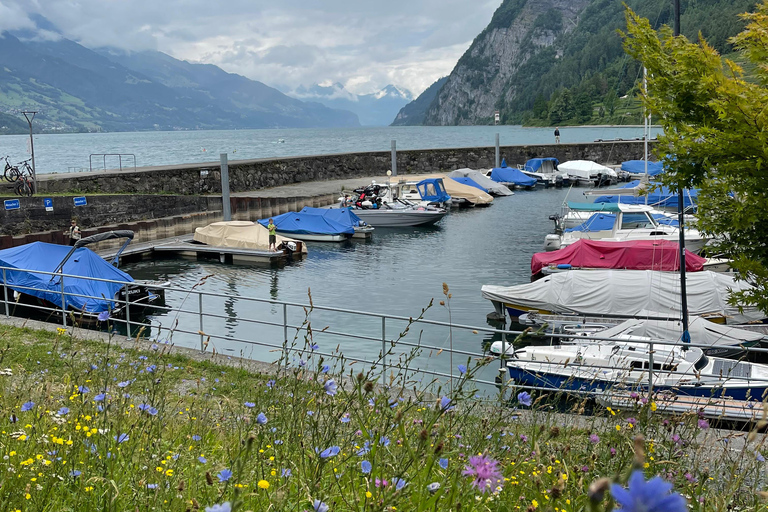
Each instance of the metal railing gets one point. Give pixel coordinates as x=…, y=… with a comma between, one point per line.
x=105, y=155
x=195, y=316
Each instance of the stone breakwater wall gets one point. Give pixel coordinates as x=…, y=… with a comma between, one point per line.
x=149, y=217
x=248, y=175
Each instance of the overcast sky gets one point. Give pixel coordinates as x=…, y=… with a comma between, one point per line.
x=364, y=44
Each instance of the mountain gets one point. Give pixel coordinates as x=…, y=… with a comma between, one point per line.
x=375, y=109
x=413, y=113
x=78, y=89
x=554, y=62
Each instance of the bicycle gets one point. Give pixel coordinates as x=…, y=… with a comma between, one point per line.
x=11, y=173
x=24, y=186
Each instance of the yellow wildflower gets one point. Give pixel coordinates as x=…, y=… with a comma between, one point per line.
x=263, y=484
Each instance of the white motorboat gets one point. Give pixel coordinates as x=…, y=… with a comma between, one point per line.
x=545, y=171
x=630, y=363
x=399, y=214
x=714, y=339
x=588, y=173
x=624, y=294
x=622, y=222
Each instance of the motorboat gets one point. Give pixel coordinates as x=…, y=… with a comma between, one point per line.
x=399, y=214
x=573, y=214
x=310, y=226
x=512, y=177
x=490, y=186
x=585, y=254
x=624, y=294
x=637, y=169
x=342, y=216
x=714, y=339
x=647, y=193
x=588, y=173
x=244, y=242
x=426, y=192
x=633, y=364
x=43, y=277
x=621, y=222
x=545, y=171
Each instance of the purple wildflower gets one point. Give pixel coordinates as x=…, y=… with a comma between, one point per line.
x=319, y=506
x=524, y=398
x=594, y=438
x=485, y=471
x=103, y=316
x=648, y=496
x=285, y=473
x=703, y=424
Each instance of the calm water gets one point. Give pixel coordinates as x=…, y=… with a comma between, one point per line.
x=397, y=273
x=65, y=152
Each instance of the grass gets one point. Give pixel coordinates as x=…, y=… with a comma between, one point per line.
x=92, y=425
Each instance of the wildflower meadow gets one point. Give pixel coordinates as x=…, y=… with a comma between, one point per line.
x=94, y=425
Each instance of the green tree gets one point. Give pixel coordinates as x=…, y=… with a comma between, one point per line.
x=715, y=125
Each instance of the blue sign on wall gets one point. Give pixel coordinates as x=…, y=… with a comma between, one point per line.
x=48, y=203
x=80, y=201
x=12, y=204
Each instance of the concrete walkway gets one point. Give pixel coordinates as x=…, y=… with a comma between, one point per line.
x=315, y=188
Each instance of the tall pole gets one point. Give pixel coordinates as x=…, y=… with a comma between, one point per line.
x=681, y=224
x=497, y=151
x=31, y=147
x=394, y=157
x=226, y=209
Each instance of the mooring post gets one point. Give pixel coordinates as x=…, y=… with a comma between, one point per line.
x=498, y=163
x=394, y=157
x=384, y=344
x=225, y=206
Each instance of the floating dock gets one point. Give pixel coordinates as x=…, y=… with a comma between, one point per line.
x=185, y=247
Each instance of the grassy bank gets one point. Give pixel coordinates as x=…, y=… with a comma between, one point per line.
x=91, y=425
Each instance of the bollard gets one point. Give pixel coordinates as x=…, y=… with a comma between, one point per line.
x=498, y=163
x=394, y=157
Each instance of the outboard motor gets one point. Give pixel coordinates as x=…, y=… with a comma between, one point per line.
x=552, y=242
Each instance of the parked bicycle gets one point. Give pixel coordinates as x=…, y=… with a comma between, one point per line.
x=11, y=172
x=24, y=184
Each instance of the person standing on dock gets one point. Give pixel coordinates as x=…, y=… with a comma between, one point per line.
x=557, y=135
x=272, y=235
x=74, y=232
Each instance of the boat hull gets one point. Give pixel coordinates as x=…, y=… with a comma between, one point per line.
x=316, y=237
x=400, y=217
x=750, y=390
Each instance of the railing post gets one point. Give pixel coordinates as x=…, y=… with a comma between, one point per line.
x=383, y=348
x=650, y=369
x=128, y=312
x=63, y=302
x=200, y=314
x=285, y=323
x=5, y=295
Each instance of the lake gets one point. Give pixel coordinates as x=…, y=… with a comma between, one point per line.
x=70, y=152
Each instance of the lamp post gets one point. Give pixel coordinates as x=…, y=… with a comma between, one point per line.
x=31, y=146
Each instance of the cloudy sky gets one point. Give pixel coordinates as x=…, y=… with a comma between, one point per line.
x=364, y=44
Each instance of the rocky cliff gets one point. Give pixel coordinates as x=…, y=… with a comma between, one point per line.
x=479, y=83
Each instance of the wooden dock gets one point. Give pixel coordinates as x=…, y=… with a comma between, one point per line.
x=184, y=246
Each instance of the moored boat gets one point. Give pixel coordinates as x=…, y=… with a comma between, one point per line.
x=490, y=186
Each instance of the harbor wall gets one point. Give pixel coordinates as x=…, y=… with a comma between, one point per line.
x=248, y=175
x=149, y=217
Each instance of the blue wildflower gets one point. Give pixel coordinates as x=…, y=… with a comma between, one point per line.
x=445, y=404
x=100, y=397
x=365, y=449
x=330, y=452
x=331, y=387
x=224, y=507
x=399, y=483
x=433, y=487
x=651, y=496
x=366, y=467
x=202, y=459
x=151, y=368
x=462, y=368
x=123, y=383
x=249, y=405
x=314, y=346
x=225, y=474
x=75, y=473
x=345, y=417
x=121, y=438
x=384, y=441
x=271, y=383
x=151, y=486
x=285, y=473
x=196, y=437
x=325, y=368
x=319, y=506
x=261, y=419
x=524, y=398
x=27, y=406
x=443, y=463
x=103, y=316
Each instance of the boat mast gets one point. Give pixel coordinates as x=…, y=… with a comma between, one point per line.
x=680, y=220
x=646, y=133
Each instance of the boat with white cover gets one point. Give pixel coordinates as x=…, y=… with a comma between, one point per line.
x=623, y=294
x=493, y=188
x=588, y=173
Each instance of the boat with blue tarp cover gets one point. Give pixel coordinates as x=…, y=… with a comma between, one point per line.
x=653, y=194
x=511, y=177
x=343, y=216
x=637, y=169
x=35, y=272
x=334, y=226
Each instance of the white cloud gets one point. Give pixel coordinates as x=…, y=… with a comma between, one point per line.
x=364, y=45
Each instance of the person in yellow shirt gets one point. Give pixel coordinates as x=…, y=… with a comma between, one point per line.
x=272, y=235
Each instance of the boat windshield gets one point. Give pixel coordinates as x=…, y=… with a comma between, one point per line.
x=701, y=363
x=636, y=220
